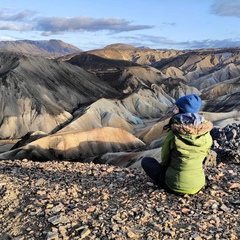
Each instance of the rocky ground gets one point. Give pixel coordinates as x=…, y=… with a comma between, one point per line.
x=226, y=143
x=73, y=200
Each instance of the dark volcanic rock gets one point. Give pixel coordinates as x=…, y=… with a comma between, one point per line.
x=227, y=143
x=96, y=63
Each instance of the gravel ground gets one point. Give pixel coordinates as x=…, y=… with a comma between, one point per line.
x=73, y=200
x=66, y=200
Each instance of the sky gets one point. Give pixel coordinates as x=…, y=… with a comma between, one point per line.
x=94, y=24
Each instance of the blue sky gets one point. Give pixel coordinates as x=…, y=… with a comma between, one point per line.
x=93, y=24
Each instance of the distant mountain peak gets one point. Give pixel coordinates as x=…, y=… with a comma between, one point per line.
x=51, y=47
x=121, y=46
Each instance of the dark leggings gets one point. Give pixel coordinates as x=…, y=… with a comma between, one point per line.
x=155, y=171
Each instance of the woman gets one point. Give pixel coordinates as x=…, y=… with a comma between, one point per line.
x=183, y=151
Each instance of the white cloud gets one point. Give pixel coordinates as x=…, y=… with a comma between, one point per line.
x=6, y=38
x=59, y=25
x=162, y=42
x=15, y=27
x=226, y=8
x=21, y=16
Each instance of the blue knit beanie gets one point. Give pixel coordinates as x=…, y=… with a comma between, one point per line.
x=189, y=103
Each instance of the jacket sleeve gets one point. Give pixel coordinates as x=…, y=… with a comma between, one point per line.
x=166, y=148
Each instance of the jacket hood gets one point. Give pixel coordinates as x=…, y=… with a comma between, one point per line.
x=189, y=118
x=191, y=128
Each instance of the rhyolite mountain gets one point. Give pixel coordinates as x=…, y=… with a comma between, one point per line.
x=47, y=48
x=109, y=103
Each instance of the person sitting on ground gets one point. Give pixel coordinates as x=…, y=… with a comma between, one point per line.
x=184, y=149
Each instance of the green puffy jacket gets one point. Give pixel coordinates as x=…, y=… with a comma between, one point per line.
x=183, y=151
